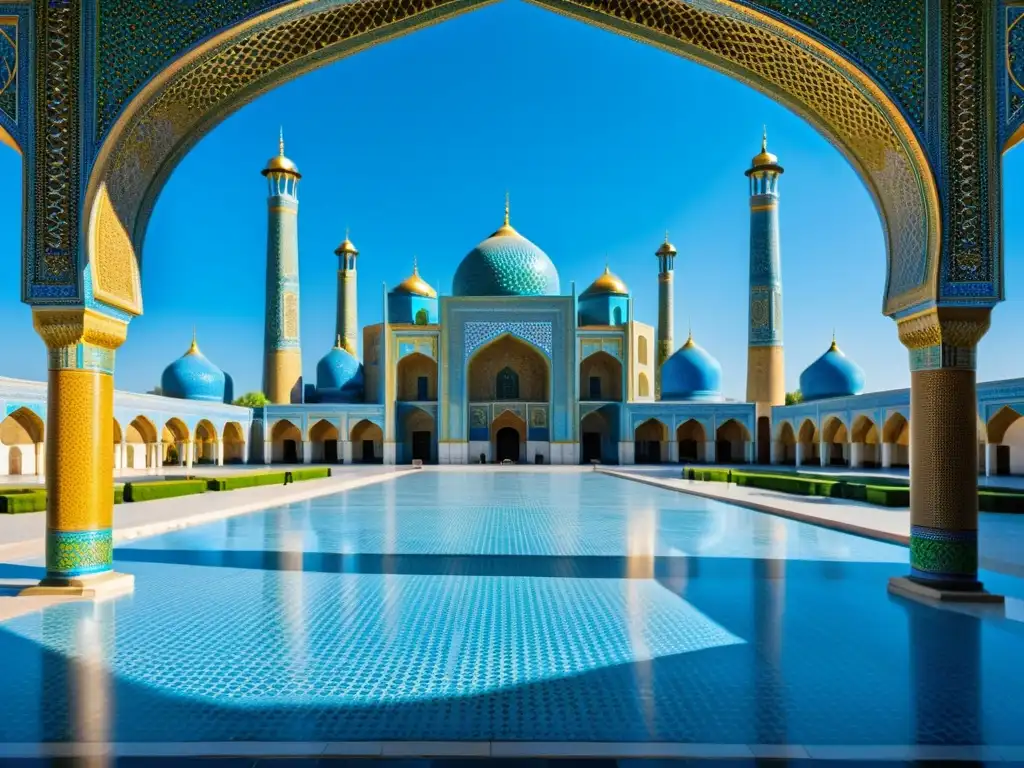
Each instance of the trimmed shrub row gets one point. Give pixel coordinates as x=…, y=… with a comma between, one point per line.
x=267, y=478
x=884, y=493
x=15, y=500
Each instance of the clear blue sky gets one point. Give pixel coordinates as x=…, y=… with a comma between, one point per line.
x=603, y=142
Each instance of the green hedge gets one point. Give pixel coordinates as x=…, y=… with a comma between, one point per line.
x=257, y=479
x=15, y=501
x=162, y=489
x=881, y=492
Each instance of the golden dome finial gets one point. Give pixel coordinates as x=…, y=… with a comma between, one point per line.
x=280, y=142
x=506, y=230
x=507, y=224
x=194, y=348
x=834, y=345
x=279, y=163
x=764, y=138
x=415, y=266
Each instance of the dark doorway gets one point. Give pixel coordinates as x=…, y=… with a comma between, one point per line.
x=506, y=385
x=591, y=447
x=421, y=388
x=723, y=451
x=421, y=446
x=507, y=444
x=835, y=455
x=1002, y=459
x=764, y=440
x=369, y=454
x=331, y=451
x=595, y=387
x=688, y=450
x=647, y=452
x=291, y=452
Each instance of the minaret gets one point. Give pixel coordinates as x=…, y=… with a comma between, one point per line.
x=347, y=326
x=282, y=356
x=666, y=254
x=766, y=384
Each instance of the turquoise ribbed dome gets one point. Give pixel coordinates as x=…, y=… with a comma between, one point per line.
x=831, y=375
x=193, y=377
x=506, y=264
x=691, y=374
x=339, y=375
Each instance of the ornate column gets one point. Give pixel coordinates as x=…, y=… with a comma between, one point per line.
x=79, y=433
x=944, y=462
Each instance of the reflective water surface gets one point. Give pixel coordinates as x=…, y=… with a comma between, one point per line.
x=509, y=606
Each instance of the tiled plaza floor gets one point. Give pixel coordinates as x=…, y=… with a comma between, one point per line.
x=515, y=607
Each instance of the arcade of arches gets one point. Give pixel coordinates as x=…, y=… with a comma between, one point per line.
x=324, y=444
x=732, y=443
x=135, y=446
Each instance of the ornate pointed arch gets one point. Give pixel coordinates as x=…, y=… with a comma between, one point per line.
x=195, y=91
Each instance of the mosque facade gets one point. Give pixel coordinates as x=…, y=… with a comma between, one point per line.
x=513, y=367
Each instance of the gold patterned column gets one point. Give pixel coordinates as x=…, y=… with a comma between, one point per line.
x=944, y=453
x=79, y=433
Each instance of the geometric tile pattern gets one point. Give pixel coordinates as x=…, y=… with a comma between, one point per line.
x=479, y=333
x=510, y=606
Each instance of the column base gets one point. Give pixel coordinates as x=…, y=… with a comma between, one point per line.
x=101, y=587
x=904, y=586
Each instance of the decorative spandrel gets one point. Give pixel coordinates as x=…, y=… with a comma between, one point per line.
x=9, y=67
x=1014, y=63
x=137, y=38
x=888, y=37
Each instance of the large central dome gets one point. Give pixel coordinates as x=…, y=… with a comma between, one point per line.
x=506, y=264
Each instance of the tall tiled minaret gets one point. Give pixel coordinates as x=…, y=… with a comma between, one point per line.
x=766, y=384
x=347, y=326
x=666, y=254
x=282, y=356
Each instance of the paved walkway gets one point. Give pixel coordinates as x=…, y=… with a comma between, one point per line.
x=1001, y=536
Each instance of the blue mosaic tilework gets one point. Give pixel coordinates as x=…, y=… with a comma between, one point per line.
x=477, y=334
x=516, y=606
x=887, y=37
x=9, y=68
x=506, y=265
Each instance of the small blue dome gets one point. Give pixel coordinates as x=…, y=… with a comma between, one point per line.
x=691, y=374
x=193, y=377
x=831, y=375
x=506, y=264
x=340, y=372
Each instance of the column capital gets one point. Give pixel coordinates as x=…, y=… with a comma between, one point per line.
x=950, y=326
x=62, y=327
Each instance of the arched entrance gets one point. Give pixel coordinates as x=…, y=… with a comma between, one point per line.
x=731, y=443
x=418, y=429
x=416, y=378
x=597, y=440
x=508, y=368
x=285, y=443
x=323, y=442
x=896, y=442
x=234, y=443
x=692, y=439
x=176, y=446
x=786, y=445
x=601, y=377
x=864, y=444
x=148, y=453
x=506, y=445
x=1002, y=431
x=21, y=438
x=509, y=438
x=206, y=443
x=807, y=447
x=367, y=443
x=648, y=440
x=835, y=443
